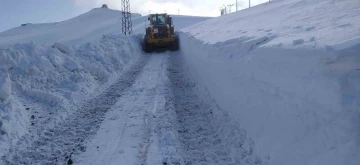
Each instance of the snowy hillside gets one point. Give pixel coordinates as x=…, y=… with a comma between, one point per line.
x=84, y=28
x=288, y=71
x=287, y=23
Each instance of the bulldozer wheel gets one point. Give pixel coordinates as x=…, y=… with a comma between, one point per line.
x=175, y=44
x=147, y=48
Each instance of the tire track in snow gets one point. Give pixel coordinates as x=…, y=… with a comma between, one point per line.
x=197, y=134
x=56, y=146
x=127, y=136
x=148, y=151
x=205, y=133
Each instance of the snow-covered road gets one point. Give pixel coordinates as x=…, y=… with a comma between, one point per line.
x=279, y=84
x=127, y=134
x=206, y=134
x=153, y=114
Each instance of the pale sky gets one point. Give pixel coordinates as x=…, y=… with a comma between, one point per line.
x=15, y=12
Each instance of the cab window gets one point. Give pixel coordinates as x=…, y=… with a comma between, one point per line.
x=160, y=20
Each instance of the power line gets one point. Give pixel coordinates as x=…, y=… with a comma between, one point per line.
x=126, y=17
x=223, y=10
x=230, y=5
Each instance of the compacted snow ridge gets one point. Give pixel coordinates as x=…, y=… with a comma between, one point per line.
x=151, y=151
x=206, y=134
x=57, y=145
x=127, y=134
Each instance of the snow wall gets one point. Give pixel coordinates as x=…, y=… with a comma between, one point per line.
x=300, y=106
x=51, y=81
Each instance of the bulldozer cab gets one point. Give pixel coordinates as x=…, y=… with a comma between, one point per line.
x=160, y=33
x=160, y=19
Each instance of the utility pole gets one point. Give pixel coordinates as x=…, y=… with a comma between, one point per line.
x=230, y=5
x=178, y=11
x=149, y=12
x=126, y=17
x=221, y=11
x=249, y=3
x=236, y=5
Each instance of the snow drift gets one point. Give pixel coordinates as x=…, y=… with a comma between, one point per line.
x=288, y=73
x=54, y=79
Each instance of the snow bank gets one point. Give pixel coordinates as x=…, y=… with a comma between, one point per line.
x=5, y=86
x=300, y=106
x=10, y=111
x=288, y=72
x=44, y=77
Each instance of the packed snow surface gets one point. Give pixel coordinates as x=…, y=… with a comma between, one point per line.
x=163, y=118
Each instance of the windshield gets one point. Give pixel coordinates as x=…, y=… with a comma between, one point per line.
x=160, y=20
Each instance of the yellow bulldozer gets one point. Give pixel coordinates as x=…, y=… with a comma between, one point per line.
x=160, y=34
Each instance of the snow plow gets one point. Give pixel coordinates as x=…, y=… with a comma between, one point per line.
x=160, y=34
